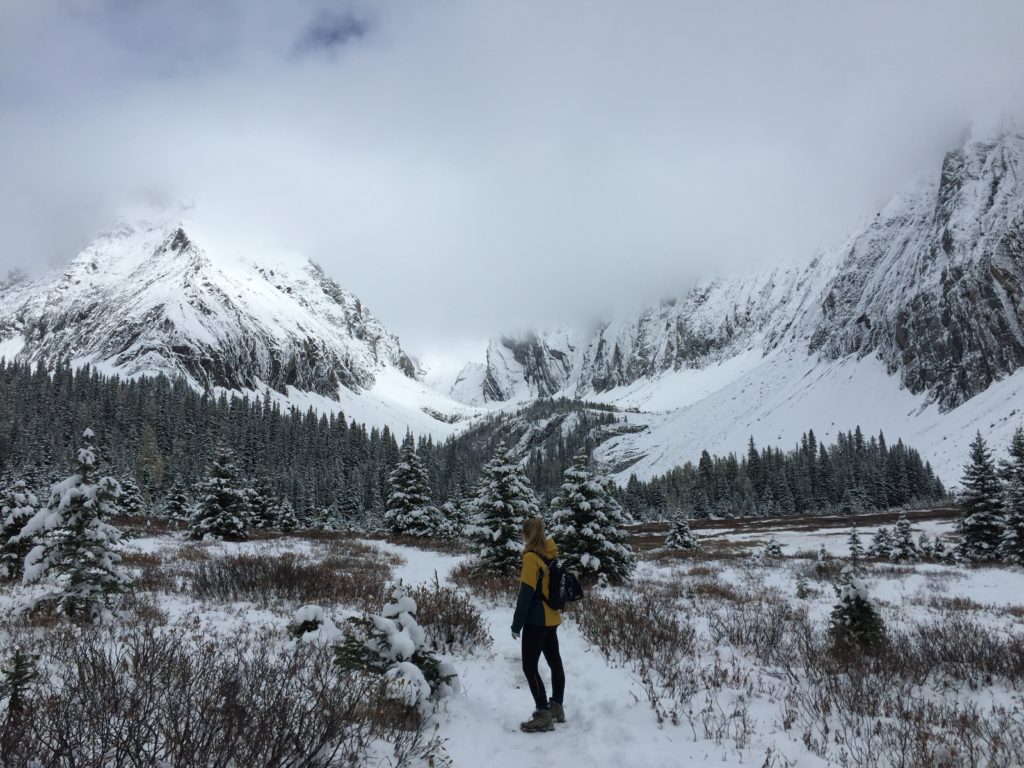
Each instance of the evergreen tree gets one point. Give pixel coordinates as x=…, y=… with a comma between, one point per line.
x=772, y=549
x=503, y=502
x=261, y=508
x=803, y=589
x=453, y=520
x=221, y=508
x=409, y=510
x=176, y=507
x=925, y=547
x=131, y=502
x=588, y=522
x=75, y=541
x=881, y=543
x=856, y=548
x=1011, y=547
x=17, y=507
x=981, y=522
x=855, y=623
x=285, y=519
x=903, y=549
x=679, y=536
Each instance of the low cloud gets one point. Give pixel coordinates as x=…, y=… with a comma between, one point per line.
x=473, y=168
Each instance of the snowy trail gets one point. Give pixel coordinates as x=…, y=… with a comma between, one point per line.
x=607, y=724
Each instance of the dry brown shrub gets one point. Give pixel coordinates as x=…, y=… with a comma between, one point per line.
x=135, y=697
x=493, y=588
x=450, y=619
x=268, y=578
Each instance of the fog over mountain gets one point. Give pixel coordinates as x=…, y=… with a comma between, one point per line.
x=472, y=169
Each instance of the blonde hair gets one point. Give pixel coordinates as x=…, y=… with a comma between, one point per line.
x=533, y=532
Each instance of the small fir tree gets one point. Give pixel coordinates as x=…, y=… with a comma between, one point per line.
x=803, y=589
x=925, y=547
x=131, y=502
x=981, y=523
x=855, y=623
x=856, y=548
x=903, y=549
x=1011, y=546
x=408, y=509
x=453, y=520
x=395, y=646
x=881, y=543
x=221, y=508
x=587, y=523
x=503, y=502
x=17, y=507
x=772, y=550
x=176, y=506
x=679, y=536
x=284, y=516
x=75, y=541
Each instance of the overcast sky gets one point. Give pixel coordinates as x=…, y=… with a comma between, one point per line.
x=471, y=167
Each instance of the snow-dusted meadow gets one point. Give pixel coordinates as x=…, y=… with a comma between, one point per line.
x=707, y=658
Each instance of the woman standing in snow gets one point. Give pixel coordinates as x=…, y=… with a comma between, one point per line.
x=538, y=623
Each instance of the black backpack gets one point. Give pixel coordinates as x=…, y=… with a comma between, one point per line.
x=563, y=586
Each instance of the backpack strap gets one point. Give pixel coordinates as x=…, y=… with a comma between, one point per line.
x=538, y=591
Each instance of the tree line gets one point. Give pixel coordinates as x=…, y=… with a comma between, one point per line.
x=160, y=436
x=851, y=476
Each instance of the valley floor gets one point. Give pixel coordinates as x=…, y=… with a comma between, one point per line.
x=701, y=661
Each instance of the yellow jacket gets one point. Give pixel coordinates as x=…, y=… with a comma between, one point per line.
x=530, y=608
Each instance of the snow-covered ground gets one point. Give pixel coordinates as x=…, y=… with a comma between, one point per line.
x=610, y=717
x=777, y=398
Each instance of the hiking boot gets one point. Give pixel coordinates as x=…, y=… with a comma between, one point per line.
x=541, y=721
x=557, y=713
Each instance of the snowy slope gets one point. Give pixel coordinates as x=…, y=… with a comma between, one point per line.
x=151, y=297
x=914, y=325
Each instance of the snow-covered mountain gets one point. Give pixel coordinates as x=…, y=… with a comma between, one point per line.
x=149, y=296
x=914, y=323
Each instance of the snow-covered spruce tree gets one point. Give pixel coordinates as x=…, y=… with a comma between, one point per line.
x=855, y=624
x=453, y=520
x=981, y=522
x=903, y=549
x=131, y=502
x=176, y=505
x=284, y=516
x=394, y=645
x=881, y=543
x=1011, y=547
x=856, y=548
x=408, y=510
x=680, y=537
x=925, y=547
x=772, y=550
x=803, y=589
x=587, y=523
x=504, y=500
x=17, y=507
x=220, y=511
x=75, y=543
x=259, y=505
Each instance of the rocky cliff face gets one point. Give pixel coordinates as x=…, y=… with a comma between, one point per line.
x=147, y=297
x=932, y=286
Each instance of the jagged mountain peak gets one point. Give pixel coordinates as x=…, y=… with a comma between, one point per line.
x=148, y=296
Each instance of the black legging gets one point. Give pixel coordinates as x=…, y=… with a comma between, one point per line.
x=538, y=640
